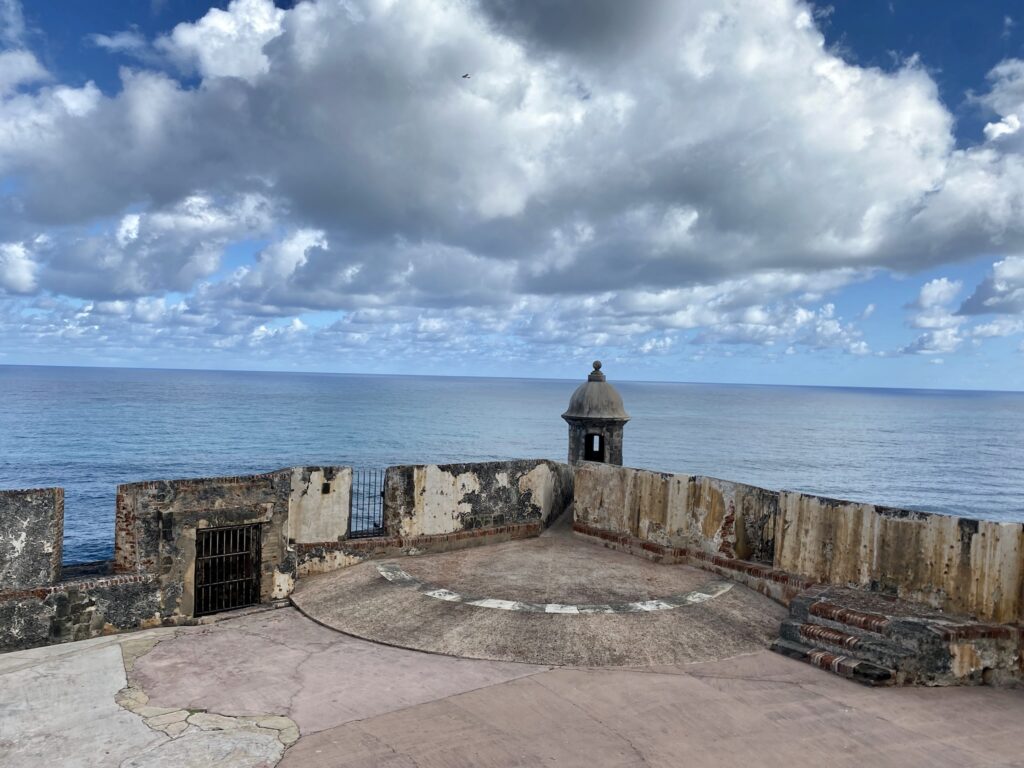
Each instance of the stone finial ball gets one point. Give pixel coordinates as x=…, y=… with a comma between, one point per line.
x=597, y=365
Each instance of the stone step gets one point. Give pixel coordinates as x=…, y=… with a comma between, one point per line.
x=851, y=667
x=863, y=645
x=816, y=606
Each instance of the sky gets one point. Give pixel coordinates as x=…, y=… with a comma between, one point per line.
x=756, y=191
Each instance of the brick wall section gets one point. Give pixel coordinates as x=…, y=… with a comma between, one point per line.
x=31, y=537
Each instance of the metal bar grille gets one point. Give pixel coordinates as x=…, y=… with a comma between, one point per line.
x=227, y=568
x=367, y=515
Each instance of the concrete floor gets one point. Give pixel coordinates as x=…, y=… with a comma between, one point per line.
x=241, y=683
x=556, y=600
x=273, y=687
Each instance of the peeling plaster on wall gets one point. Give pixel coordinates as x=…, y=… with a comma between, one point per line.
x=541, y=485
x=425, y=500
x=314, y=516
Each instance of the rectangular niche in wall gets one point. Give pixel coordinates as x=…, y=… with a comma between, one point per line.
x=227, y=568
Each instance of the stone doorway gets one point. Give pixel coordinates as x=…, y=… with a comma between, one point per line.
x=227, y=568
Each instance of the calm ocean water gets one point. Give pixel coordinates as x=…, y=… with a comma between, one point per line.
x=88, y=429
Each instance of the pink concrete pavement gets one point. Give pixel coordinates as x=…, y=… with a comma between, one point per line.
x=361, y=704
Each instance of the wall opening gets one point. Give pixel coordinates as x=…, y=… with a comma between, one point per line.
x=366, y=515
x=227, y=571
x=593, y=448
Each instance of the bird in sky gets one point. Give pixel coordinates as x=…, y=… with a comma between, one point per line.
x=466, y=76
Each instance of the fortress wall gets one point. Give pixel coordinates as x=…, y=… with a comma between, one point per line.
x=77, y=609
x=318, y=508
x=432, y=500
x=31, y=537
x=157, y=523
x=973, y=567
x=698, y=513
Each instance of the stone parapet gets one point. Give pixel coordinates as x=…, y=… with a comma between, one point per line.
x=431, y=499
x=31, y=537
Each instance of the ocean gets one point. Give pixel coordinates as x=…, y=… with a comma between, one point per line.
x=88, y=429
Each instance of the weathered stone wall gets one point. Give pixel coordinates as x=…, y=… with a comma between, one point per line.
x=973, y=567
x=612, y=431
x=31, y=537
x=319, y=505
x=428, y=500
x=699, y=513
x=77, y=610
x=157, y=523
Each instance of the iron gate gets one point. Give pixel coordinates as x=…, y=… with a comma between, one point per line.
x=367, y=516
x=227, y=568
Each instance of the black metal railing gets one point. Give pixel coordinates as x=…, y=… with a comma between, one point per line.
x=367, y=516
x=227, y=568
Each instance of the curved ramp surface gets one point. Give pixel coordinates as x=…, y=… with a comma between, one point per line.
x=554, y=600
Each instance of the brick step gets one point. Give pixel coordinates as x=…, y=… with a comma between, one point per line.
x=850, y=667
x=862, y=645
x=814, y=607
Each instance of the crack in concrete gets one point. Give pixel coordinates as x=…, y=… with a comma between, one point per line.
x=610, y=729
x=176, y=722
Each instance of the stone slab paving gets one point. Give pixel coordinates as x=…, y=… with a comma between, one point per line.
x=550, y=589
x=361, y=704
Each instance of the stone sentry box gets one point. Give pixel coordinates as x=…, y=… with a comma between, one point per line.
x=596, y=419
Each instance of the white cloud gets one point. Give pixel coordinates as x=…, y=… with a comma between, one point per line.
x=1001, y=292
x=17, y=269
x=129, y=41
x=151, y=252
x=19, y=68
x=1008, y=126
x=934, y=302
x=697, y=173
x=226, y=43
x=1001, y=326
x=944, y=341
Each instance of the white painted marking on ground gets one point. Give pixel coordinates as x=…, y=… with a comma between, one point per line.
x=395, y=574
x=444, y=594
x=596, y=609
x=559, y=608
x=652, y=605
x=501, y=605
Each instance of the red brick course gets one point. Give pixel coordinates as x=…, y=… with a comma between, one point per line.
x=758, y=572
